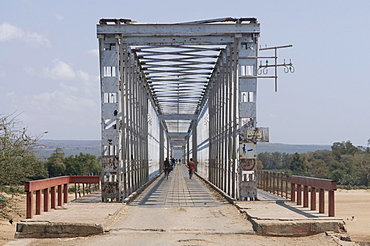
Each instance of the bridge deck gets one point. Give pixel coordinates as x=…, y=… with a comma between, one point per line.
x=178, y=190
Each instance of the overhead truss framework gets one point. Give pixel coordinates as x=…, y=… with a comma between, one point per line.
x=180, y=68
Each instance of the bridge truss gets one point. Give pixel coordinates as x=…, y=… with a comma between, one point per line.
x=185, y=85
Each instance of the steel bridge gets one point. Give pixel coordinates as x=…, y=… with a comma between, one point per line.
x=186, y=88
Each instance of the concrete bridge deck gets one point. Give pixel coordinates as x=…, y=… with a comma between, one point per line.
x=177, y=206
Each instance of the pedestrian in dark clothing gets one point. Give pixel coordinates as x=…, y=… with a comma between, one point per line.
x=167, y=167
x=173, y=162
x=191, y=167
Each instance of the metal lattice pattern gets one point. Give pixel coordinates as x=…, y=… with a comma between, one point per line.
x=178, y=77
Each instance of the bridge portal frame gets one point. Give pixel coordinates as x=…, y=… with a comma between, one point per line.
x=231, y=96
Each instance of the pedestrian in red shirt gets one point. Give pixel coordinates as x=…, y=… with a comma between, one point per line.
x=191, y=167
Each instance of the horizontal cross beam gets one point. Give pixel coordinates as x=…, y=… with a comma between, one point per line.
x=170, y=30
x=178, y=117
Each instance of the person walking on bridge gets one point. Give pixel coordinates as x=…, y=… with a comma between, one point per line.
x=173, y=162
x=167, y=168
x=191, y=167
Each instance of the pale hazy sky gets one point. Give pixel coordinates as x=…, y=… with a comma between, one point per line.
x=49, y=66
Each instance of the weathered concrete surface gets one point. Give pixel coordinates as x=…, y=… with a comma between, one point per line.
x=39, y=229
x=281, y=217
x=72, y=220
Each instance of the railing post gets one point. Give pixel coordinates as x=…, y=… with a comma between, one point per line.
x=75, y=190
x=65, y=191
x=292, y=192
x=264, y=180
x=59, y=195
x=29, y=205
x=52, y=191
x=46, y=200
x=38, y=202
x=331, y=204
x=286, y=186
x=299, y=194
x=281, y=184
x=47, y=188
x=305, y=196
x=322, y=201
x=313, y=198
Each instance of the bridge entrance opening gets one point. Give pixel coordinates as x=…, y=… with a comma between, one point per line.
x=186, y=88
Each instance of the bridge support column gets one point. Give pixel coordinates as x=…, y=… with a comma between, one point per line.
x=246, y=76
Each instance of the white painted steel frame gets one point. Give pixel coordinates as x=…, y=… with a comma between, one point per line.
x=178, y=67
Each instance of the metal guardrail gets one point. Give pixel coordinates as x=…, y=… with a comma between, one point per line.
x=49, y=189
x=291, y=188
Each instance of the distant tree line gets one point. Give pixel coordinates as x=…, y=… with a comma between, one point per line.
x=347, y=164
x=19, y=161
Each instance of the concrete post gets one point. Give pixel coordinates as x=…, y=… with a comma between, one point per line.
x=65, y=191
x=305, y=196
x=46, y=200
x=299, y=194
x=313, y=198
x=52, y=191
x=29, y=205
x=322, y=201
x=60, y=195
x=292, y=192
x=38, y=202
x=331, y=204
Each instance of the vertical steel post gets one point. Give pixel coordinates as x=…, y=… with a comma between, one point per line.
x=235, y=119
x=123, y=124
x=161, y=147
x=111, y=89
x=195, y=147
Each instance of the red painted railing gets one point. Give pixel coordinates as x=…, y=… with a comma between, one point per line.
x=291, y=187
x=50, y=188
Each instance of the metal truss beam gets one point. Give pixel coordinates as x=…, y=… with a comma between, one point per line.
x=178, y=134
x=178, y=143
x=178, y=117
x=181, y=31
